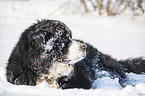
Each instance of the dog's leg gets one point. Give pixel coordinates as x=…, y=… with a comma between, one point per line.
x=123, y=81
x=20, y=75
x=75, y=81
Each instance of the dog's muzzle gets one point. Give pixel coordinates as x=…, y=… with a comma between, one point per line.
x=76, y=52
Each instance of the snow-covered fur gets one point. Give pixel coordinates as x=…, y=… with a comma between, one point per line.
x=46, y=51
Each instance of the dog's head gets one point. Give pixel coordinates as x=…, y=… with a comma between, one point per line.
x=55, y=40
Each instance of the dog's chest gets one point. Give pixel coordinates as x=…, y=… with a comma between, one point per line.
x=57, y=70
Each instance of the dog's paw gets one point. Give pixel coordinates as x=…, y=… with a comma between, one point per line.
x=63, y=82
x=123, y=85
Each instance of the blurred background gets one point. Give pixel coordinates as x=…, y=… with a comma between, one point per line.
x=35, y=9
x=115, y=27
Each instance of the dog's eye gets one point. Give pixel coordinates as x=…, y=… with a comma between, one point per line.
x=48, y=36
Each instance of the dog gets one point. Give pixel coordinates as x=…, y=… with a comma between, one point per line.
x=47, y=52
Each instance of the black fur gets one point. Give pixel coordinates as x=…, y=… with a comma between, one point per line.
x=25, y=63
x=91, y=67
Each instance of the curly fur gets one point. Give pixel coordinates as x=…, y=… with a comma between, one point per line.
x=48, y=43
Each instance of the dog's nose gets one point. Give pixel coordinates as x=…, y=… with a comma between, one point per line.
x=83, y=47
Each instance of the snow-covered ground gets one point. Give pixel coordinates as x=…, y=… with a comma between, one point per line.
x=119, y=36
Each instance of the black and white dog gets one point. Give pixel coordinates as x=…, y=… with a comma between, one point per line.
x=46, y=51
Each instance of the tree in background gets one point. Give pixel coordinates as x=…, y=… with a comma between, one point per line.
x=113, y=7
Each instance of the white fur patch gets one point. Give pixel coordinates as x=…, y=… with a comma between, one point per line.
x=49, y=44
x=75, y=53
x=57, y=70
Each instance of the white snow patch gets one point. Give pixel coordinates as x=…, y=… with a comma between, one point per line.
x=119, y=36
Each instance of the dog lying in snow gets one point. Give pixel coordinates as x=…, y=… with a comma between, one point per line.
x=46, y=51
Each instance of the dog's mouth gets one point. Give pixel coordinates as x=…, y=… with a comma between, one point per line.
x=76, y=52
x=63, y=59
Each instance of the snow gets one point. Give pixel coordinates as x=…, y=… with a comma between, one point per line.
x=120, y=36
